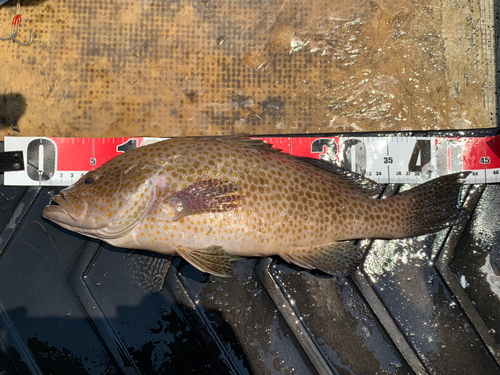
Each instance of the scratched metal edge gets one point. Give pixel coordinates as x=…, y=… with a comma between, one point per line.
x=442, y=265
x=299, y=329
x=110, y=340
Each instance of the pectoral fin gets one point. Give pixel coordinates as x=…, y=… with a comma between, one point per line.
x=337, y=258
x=213, y=260
x=205, y=196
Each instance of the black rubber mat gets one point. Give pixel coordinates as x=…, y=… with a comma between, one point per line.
x=427, y=305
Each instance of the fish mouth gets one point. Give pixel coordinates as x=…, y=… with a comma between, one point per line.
x=66, y=206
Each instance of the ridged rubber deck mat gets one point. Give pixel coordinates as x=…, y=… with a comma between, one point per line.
x=427, y=305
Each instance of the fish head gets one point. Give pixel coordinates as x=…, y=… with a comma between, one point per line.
x=108, y=202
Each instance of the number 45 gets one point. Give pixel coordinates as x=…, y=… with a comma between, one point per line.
x=485, y=160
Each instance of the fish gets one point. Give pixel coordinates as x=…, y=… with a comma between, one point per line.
x=214, y=200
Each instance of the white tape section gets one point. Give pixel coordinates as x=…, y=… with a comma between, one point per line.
x=392, y=159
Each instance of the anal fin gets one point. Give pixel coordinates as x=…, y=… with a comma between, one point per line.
x=214, y=260
x=336, y=258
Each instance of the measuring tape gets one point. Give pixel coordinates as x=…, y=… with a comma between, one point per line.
x=398, y=159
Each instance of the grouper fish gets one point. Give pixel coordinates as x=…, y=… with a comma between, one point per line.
x=212, y=200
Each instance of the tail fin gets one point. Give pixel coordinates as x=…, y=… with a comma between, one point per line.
x=432, y=206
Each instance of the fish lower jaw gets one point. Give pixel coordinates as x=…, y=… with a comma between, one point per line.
x=52, y=212
x=60, y=216
x=71, y=205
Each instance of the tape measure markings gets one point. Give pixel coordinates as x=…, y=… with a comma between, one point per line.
x=62, y=161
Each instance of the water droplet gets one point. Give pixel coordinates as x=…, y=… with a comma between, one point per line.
x=278, y=364
x=463, y=282
x=366, y=331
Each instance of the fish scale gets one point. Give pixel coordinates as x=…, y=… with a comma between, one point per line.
x=211, y=200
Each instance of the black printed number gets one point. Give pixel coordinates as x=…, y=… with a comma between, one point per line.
x=388, y=160
x=326, y=147
x=41, y=159
x=485, y=160
x=420, y=156
x=127, y=146
x=353, y=155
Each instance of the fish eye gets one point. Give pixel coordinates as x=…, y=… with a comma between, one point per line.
x=90, y=179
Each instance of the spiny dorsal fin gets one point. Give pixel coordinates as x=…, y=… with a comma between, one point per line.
x=353, y=180
x=246, y=142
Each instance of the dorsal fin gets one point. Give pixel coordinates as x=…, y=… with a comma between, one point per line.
x=244, y=141
x=354, y=180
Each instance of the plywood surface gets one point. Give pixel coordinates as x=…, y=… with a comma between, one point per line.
x=101, y=68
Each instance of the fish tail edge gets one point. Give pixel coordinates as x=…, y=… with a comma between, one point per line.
x=433, y=205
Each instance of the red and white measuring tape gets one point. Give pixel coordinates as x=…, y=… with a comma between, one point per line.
x=397, y=159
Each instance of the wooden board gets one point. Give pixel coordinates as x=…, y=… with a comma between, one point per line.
x=210, y=67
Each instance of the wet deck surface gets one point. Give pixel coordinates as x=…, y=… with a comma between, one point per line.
x=424, y=305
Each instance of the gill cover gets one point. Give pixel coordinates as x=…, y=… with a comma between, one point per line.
x=135, y=195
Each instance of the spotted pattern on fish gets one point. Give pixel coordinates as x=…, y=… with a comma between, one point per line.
x=212, y=199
